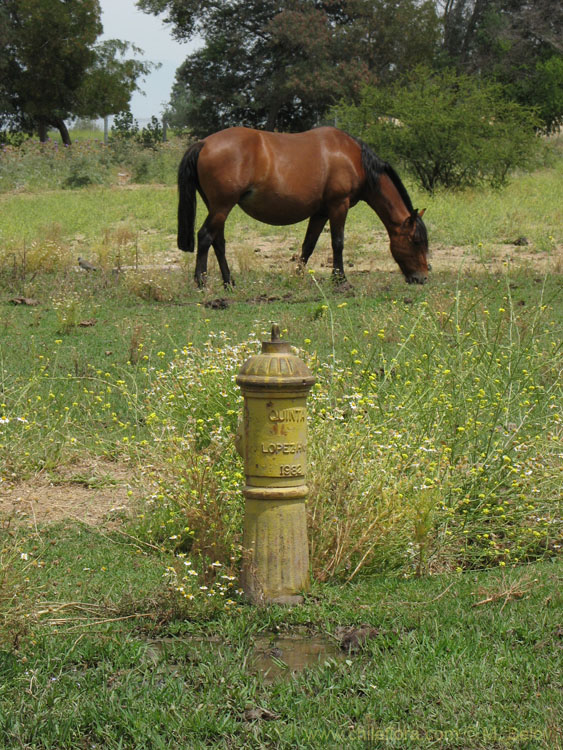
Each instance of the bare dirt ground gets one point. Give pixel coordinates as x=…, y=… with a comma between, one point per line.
x=273, y=254
x=96, y=493
x=253, y=251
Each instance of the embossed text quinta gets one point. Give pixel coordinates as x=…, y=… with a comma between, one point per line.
x=287, y=415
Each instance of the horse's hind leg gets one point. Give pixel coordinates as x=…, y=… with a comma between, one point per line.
x=212, y=233
x=219, y=247
x=314, y=229
x=204, y=240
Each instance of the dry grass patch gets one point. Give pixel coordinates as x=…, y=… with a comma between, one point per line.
x=92, y=492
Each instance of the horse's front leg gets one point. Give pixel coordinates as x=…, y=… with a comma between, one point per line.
x=337, y=222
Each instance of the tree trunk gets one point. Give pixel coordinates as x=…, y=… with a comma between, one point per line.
x=43, y=125
x=273, y=112
x=63, y=130
x=42, y=129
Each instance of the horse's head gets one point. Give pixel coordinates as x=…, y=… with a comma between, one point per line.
x=409, y=247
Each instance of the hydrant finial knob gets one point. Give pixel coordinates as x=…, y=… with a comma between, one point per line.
x=276, y=335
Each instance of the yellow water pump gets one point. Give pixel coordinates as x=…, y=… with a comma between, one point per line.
x=272, y=440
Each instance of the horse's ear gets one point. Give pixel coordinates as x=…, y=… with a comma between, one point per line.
x=416, y=214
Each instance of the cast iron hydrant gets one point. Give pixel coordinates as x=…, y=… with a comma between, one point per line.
x=272, y=439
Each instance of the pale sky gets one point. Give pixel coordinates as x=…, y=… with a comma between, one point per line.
x=121, y=19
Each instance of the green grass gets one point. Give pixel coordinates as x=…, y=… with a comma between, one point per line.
x=45, y=166
x=80, y=134
x=470, y=661
x=437, y=410
x=529, y=207
x=89, y=212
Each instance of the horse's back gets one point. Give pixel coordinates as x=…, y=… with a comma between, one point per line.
x=279, y=178
x=281, y=143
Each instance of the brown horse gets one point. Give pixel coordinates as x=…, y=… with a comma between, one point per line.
x=280, y=178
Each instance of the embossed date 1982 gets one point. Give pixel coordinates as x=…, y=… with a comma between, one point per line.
x=291, y=470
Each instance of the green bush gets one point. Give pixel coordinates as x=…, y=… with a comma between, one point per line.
x=12, y=138
x=448, y=129
x=142, y=151
x=152, y=134
x=84, y=171
x=126, y=129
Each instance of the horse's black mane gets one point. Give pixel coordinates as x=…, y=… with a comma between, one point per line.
x=374, y=167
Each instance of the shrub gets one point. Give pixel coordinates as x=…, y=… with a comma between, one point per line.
x=542, y=88
x=84, y=171
x=448, y=129
x=12, y=138
x=124, y=127
x=152, y=134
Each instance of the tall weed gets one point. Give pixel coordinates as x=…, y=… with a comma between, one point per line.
x=47, y=166
x=433, y=447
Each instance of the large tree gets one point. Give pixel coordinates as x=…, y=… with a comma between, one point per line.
x=52, y=69
x=519, y=43
x=282, y=64
x=108, y=84
x=477, y=32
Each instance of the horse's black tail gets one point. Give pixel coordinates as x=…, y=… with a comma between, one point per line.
x=188, y=184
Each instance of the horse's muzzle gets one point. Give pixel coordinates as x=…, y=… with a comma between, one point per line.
x=417, y=279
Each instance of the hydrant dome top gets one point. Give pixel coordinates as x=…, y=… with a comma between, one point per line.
x=275, y=366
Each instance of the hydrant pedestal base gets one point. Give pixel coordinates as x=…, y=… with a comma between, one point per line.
x=275, y=551
x=272, y=440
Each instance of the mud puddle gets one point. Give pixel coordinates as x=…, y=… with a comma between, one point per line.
x=286, y=656
x=276, y=659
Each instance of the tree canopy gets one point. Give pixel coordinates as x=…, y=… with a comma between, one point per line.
x=518, y=43
x=283, y=63
x=51, y=67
